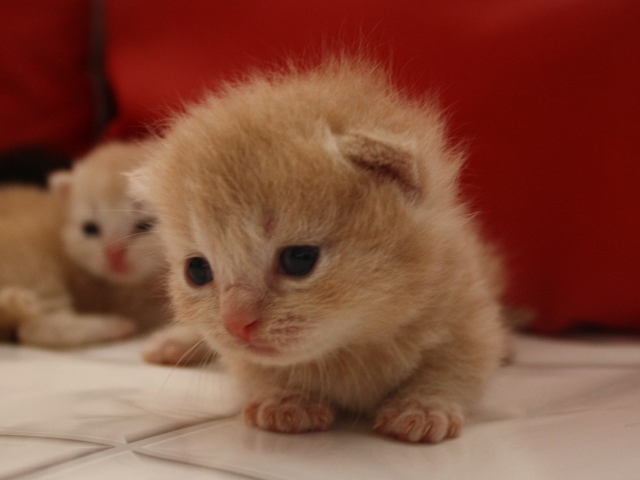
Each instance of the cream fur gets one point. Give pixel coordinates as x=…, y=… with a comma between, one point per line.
x=399, y=318
x=57, y=288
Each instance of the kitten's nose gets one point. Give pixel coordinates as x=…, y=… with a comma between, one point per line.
x=116, y=253
x=240, y=313
x=240, y=321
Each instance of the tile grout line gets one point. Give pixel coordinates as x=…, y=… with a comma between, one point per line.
x=108, y=451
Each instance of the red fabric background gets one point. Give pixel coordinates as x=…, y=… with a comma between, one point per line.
x=45, y=85
x=544, y=94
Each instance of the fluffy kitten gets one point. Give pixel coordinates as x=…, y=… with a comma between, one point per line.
x=79, y=263
x=317, y=241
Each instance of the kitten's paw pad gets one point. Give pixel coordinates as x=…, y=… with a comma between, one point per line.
x=289, y=414
x=416, y=421
x=166, y=349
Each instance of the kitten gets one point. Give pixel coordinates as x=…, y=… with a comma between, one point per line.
x=80, y=262
x=317, y=240
x=177, y=345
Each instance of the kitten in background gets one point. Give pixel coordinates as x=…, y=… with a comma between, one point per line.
x=317, y=241
x=80, y=262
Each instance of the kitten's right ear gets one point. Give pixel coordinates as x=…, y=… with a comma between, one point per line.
x=59, y=183
x=384, y=160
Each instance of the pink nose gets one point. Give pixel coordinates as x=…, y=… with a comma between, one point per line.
x=116, y=257
x=241, y=322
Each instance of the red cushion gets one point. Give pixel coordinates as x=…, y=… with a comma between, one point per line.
x=544, y=94
x=45, y=87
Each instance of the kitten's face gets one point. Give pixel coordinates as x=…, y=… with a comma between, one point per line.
x=106, y=232
x=298, y=217
x=112, y=239
x=287, y=251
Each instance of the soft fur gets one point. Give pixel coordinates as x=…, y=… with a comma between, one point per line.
x=399, y=318
x=63, y=287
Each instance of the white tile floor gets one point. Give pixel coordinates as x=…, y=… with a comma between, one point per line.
x=564, y=410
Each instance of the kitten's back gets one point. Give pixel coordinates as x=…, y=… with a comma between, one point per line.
x=30, y=222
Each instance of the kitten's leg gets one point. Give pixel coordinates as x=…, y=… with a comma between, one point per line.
x=17, y=304
x=68, y=329
x=431, y=406
x=177, y=344
x=285, y=412
x=418, y=416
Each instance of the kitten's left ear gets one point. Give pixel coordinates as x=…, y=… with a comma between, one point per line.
x=137, y=183
x=59, y=182
x=384, y=160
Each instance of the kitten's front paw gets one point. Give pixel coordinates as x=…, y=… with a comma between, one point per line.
x=68, y=329
x=413, y=420
x=101, y=328
x=177, y=345
x=289, y=413
x=17, y=303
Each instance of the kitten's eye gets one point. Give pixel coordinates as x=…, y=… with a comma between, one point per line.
x=298, y=260
x=144, y=225
x=91, y=229
x=198, y=271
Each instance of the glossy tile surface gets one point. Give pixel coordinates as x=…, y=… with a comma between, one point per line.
x=567, y=409
x=20, y=455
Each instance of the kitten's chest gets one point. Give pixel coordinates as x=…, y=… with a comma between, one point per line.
x=89, y=294
x=145, y=303
x=356, y=380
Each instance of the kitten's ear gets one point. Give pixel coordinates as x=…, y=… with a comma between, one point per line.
x=385, y=161
x=138, y=184
x=59, y=183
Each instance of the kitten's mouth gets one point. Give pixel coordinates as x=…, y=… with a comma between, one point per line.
x=256, y=346
x=261, y=348
x=117, y=261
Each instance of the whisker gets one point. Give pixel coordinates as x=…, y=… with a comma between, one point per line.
x=191, y=352
x=208, y=357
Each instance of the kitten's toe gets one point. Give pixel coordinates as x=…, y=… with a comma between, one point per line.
x=429, y=421
x=289, y=414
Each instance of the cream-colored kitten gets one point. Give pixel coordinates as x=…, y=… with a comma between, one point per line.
x=317, y=240
x=80, y=263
